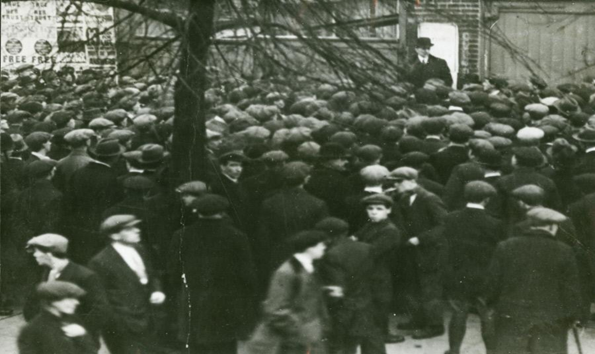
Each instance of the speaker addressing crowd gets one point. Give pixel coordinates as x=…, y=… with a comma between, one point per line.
x=325, y=212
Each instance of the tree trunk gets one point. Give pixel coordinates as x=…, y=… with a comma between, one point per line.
x=189, y=156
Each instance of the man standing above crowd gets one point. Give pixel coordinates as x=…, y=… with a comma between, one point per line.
x=426, y=66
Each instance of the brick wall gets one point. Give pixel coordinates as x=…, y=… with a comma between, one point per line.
x=467, y=15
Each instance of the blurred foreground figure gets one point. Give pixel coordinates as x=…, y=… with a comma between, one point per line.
x=295, y=314
x=533, y=285
x=56, y=329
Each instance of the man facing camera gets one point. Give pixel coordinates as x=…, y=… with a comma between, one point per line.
x=426, y=66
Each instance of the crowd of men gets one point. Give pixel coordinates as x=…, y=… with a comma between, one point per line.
x=325, y=212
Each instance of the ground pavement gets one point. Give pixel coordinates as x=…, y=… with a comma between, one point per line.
x=9, y=328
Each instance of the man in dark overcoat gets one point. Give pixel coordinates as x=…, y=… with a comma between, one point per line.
x=586, y=160
x=426, y=66
x=55, y=329
x=533, y=286
x=217, y=264
x=79, y=140
x=456, y=153
x=283, y=214
x=329, y=180
x=347, y=269
x=49, y=250
x=91, y=190
x=384, y=237
x=420, y=214
x=472, y=236
x=132, y=287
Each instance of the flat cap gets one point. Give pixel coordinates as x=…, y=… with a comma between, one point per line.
x=192, y=187
x=457, y=98
x=476, y=191
x=101, y=123
x=62, y=117
x=545, y=216
x=529, y=156
x=434, y=126
x=537, y=110
x=59, y=290
x=331, y=151
x=376, y=199
x=24, y=67
x=332, y=226
x=17, y=116
x=144, y=120
x=295, y=171
x=40, y=168
x=53, y=243
x=36, y=140
x=499, y=129
x=530, y=134
x=530, y=194
x=122, y=135
x=116, y=223
x=210, y=204
x=460, y=133
x=414, y=159
x=78, y=136
x=490, y=157
x=140, y=183
x=500, y=142
x=402, y=173
x=107, y=148
x=347, y=139
x=374, y=173
x=369, y=153
x=306, y=239
x=116, y=115
x=276, y=156
x=585, y=182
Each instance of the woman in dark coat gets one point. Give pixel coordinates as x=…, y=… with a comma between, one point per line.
x=217, y=265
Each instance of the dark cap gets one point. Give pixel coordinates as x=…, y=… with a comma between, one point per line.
x=40, y=168
x=434, y=126
x=490, y=157
x=331, y=151
x=58, y=290
x=378, y=199
x=403, y=173
x=210, y=204
x=332, y=226
x=529, y=194
x=369, y=153
x=460, y=133
x=139, y=183
x=54, y=243
x=295, y=172
x=529, y=157
x=236, y=156
x=107, y=148
x=423, y=42
x=306, y=239
x=36, y=140
x=477, y=191
x=414, y=159
x=116, y=223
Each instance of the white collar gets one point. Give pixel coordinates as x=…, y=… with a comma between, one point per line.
x=475, y=206
x=492, y=174
x=305, y=261
x=375, y=189
x=591, y=149
x=40, y=156
x=135, y=170
x=102, y=163
x=234, y=180
x=433, y=137
x=423, y=60
x=455, y=108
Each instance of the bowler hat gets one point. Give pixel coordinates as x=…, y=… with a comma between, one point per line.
x=423, y=42
x=151, y=154
x=107, y=148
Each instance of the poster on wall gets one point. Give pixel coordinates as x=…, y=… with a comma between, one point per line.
x=50, y=34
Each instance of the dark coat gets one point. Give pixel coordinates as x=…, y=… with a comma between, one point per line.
x=533, y=278
x=355, y=211
x=93, y=306
x=445, y=160
x=36, y=210
x=282, y=215
x=330, y=185
x=239, y=206
x=349, y=264
x=44, y=335
x=507, y=206
x=435, y=68
x=472, y=237
x=454, y=197
x=422, y=219
x=384, y=237
x=92, y=189
x=68, y=166
x=582, y=214
x=220, y=274
x=431, y=145
x=128, y=298
x=585, y=163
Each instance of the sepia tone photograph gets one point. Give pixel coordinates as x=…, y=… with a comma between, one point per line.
x=297, y=177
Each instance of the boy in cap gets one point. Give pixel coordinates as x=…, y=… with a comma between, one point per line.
x=56, y=329
x=347, y=270
x=373, y=178
x=295, y=308
x=420, y=214
x=49, y=251
x=472, y=236
x=124, y=267
x=384, y=237
x=214, y=259
x=533, y=286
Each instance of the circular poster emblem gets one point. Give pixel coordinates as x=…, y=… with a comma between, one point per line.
x=13, y=46
x=43, y=47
